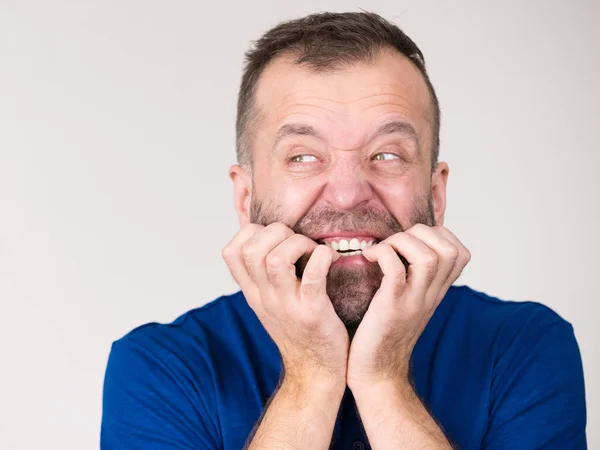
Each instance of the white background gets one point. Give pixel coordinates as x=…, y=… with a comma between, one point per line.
x=117, y=130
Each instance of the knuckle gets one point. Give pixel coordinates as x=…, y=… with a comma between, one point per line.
x=420, y=227
x=274, y=262
x=277, y=226
x=385, y=247
x=399, y=275
x=297, y=239
x=248, y=246
x=246, y=250
x=431, y=265
x=227, y=253
x=430, y=261
x=467, y=255
x=254, y=227
x=249, y=252
x=279, y=229
x=451, y=252
x=399, y=271
x=300, y=238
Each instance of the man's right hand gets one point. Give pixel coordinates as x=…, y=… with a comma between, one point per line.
x=297, y=314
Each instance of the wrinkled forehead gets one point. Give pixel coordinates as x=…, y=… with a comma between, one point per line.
x=348, y=102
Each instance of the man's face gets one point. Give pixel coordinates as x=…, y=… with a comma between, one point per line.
x=343, y=154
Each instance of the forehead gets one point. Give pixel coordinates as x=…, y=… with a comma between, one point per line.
x=347, y=102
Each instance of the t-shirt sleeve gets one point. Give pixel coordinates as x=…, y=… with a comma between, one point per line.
x=538, y=395
x=151, y=401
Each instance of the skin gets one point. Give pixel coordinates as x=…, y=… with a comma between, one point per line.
x=329, y=335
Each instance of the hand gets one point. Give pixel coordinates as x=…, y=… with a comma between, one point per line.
x=405, y=301
x=297, y=314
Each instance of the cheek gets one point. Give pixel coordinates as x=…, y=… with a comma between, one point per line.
x=297, y=197
x=291, y=200
x=400, y=199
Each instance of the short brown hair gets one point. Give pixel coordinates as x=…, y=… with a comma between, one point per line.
x=323, y=41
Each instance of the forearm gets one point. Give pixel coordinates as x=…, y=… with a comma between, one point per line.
x=394, y=417
x=299, y=417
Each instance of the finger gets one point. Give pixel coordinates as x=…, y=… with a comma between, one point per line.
x=464, y=255
x=421, y=259
x=447, y=253
x=393, y=283
x=280, y=262
x=256, y=249
x=232, y=255
x=313, y=284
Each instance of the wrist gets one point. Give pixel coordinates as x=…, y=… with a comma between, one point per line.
x=382, y=389
x=330, y=388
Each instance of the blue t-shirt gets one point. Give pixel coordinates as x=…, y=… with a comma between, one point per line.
x=494, y=374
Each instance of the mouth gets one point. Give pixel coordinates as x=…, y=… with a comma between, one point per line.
x=349, y=246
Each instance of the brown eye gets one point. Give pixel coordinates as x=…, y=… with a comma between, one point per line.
x=382, y=157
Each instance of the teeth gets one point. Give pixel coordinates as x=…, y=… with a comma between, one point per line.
x=357, y=252
x=353, y=244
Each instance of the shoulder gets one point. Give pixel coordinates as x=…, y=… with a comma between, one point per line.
x=530, y=344
x=160, y=380
x=535, y=368
x=502, y=317
x=205, y=342
x=186, y=350
x=503, y=332
x=191, y=332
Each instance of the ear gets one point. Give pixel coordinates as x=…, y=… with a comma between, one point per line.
x=242, y=193
x=439, y=180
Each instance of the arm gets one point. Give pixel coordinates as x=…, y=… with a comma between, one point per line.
x=537, y=395
x=298, y=417
x=537, y=398
x=300, y=318
x=152, y=401
x=410, y=291
x=394, y=417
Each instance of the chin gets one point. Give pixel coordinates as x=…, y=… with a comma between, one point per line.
x=350, y=289
x=351, y=292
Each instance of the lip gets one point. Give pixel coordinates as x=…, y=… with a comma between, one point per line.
x=354, y=260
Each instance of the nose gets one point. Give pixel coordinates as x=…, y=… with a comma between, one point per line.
x=347, y=186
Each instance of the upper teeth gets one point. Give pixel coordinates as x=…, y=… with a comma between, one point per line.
x=353, y=244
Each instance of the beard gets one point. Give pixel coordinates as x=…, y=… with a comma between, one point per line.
x=350, y=289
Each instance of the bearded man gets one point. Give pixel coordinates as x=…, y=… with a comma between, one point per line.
x=347, y=332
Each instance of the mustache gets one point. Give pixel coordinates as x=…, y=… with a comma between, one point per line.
x=320, y=221
x=323, y=220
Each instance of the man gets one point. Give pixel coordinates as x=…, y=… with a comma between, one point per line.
x=347, y=333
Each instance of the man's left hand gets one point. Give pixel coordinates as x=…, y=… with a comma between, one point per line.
x=401, y=308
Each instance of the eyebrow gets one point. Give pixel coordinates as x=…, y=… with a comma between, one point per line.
x=406, y=129
x=294, y=129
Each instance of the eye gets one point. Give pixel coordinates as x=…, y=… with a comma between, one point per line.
x=302, y=158
x=382, y=157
